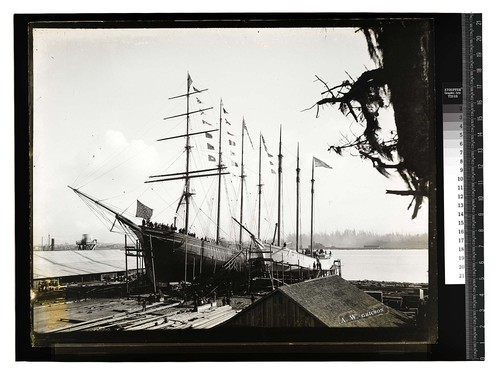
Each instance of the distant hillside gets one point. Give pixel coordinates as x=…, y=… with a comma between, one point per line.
x=359, y=239
x=346, y=239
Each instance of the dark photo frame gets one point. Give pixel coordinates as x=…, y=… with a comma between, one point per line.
x=396, y=34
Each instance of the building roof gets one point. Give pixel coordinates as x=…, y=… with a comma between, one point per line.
x=51, y=264
x=338, y=303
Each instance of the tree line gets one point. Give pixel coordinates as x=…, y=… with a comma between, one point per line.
x=351, y=238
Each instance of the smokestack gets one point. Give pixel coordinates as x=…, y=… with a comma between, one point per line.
x=52, y=243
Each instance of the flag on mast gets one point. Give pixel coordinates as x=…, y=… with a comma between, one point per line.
x=319, y=163
x=265, y=147
x=248, y=134
x=143, y=211
x=268, y=154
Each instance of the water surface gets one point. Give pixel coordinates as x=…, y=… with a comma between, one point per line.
x=384, y=264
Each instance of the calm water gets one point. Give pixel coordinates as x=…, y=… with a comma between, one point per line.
x=384, y=265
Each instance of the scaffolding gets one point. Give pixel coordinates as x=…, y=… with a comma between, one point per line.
x=263, y=267
x=134, y=251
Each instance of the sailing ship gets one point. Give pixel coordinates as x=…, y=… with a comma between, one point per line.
x=173, y=254
x=277, y=252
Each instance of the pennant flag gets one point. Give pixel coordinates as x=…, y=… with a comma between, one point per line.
x=265, y=147
x=206, y=122
x=234, y=163
x=232, y=153
x=248, y=134
x=319, y=163
x=202, y=113
x=273, y=171
x=232, y=143
x=143, y=211
x=190, y=81
x=224, y=109
x=211, y=158
x=227, y=122
x=195, y=89
x=198, y=100
x=208, y=135
x=232, y=135
x=270, y=162
x=210, y=147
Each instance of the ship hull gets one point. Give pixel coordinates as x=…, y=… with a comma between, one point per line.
x=170, y=256
x=294, y=258
x=296, y=262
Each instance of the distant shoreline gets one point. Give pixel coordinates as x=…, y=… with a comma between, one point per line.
x=120, y=247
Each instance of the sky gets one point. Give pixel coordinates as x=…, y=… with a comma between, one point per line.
x=101, y=96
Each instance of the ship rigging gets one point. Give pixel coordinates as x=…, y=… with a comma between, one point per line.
x=173, y=254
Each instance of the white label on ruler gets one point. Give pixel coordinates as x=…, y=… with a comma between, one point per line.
x=453, y=158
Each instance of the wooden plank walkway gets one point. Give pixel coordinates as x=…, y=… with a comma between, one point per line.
x=154, y=317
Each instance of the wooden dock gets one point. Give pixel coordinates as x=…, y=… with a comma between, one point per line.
x=132, y=316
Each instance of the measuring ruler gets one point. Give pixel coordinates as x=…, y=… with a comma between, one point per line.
x=463, y=184
x=454, y=183
x=473, y=184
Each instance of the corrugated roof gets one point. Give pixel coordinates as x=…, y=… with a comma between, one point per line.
x=338, y=303
x=50, y=264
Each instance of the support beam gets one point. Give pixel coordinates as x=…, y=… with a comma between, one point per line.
x=186, y=135
x=184, y=177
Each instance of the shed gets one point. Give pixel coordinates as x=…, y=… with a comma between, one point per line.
x=324, y=302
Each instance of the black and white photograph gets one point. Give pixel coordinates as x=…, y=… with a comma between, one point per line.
x=233, y=178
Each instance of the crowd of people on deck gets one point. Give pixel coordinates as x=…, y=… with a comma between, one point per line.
x=321, y=253
x=172, y=228
x=161, y=226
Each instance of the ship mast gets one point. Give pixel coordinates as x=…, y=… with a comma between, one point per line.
x=298, y=202
x=259, y=185
x=219, y=166
x=187, y=184
x=280, y=157
x=187, y=191
x=242, y=180
x=312, y=205
x=187, y=175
